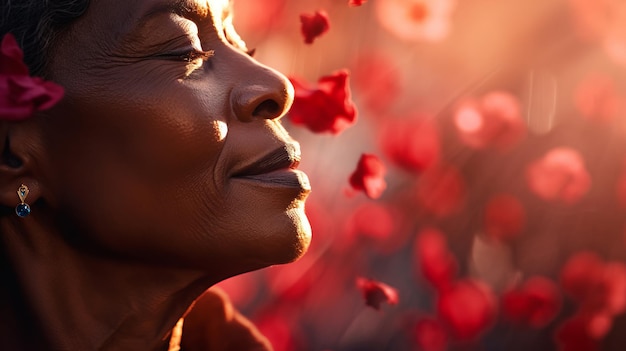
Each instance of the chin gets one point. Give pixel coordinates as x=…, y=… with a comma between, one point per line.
x=285, y=241
x=298, y=242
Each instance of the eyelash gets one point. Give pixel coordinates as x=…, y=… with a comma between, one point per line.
x=193, y=55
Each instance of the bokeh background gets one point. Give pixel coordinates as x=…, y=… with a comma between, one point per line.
x=501, y=128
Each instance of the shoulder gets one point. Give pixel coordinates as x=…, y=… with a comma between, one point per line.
x=213, y=323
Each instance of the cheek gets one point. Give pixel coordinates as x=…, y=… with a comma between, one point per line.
x=126, y=171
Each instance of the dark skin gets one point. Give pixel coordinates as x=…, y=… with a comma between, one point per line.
x=146, y=183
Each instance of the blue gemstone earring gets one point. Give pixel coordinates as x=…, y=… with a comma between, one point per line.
x=22, y=209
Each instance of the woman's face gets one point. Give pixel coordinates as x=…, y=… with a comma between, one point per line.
x=161, y=153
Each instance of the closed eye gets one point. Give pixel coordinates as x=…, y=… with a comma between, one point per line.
x=187, y=56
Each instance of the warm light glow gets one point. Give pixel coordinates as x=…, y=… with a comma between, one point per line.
x=468, y=120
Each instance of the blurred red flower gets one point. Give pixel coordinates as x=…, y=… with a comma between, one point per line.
x=433, y=259
x=581, y=274
x=356, y=2
x=369, y=176
x=559, y=175
x=375, y=293
x=430, y=335
x=376, y=81
x=492, y=121
x=504, y=217
x=468, y=308
x=596, y=98
x=279, y=331
x=440, y=191
x=534, y=304
x=597, y=286
x=416, y=20
x=314, y=25
x=20, y=94
x=371, y=220
x=582, y=332
x=325, y=108
x=413, y=145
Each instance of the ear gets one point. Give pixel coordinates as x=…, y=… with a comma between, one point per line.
x=19, y=146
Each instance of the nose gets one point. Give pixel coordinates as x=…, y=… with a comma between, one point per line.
x=265, y=94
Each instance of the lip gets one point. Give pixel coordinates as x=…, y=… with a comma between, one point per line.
x=282, y=158
x=277, y=168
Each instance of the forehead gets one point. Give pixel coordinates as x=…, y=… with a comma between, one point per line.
x=122, y=16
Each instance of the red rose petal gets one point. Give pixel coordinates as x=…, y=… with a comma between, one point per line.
x=314, y=25
x=375, y=293
x=369, y=176
x=327, y=108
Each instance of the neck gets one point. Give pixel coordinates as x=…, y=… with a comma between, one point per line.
x=68, y=299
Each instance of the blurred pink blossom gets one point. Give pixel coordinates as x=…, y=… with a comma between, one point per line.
x=493, y=120
x=416, y=20
x=603, y=21
x=597, y=98
x=560, y=175
x=376, y=81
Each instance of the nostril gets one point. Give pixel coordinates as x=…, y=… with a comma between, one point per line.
x=267, y=109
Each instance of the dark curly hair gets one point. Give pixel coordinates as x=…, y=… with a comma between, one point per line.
x=36, y=24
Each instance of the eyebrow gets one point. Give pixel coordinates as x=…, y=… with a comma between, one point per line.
x=180, y=7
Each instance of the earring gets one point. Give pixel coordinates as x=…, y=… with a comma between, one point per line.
x=22, y=209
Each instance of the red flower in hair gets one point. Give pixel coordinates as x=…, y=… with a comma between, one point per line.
x=369, y=176
x=20, y=94
x=375, y=293
x=326, y=108
x=314, y=25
